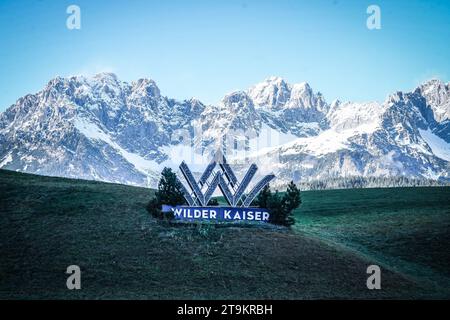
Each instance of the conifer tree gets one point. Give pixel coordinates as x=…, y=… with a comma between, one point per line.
x=292, y=199
x=276, y=208
x=263, y=197
x=281, y=208
x=170, y=189
x=169, y=193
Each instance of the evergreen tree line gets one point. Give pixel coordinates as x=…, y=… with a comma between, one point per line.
x=368, y=182
x=281, y=207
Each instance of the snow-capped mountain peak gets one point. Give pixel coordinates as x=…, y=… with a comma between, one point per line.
x=102, y=128
x=271, y=94
x=146, y=87
x=437, y=96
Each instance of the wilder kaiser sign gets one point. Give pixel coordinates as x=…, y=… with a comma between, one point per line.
x=233, y=191
x=218, y=213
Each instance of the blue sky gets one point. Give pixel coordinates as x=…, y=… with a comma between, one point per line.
x=206, y=49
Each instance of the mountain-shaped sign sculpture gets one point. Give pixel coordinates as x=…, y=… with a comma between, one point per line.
x=232, y=189
x=226, y=180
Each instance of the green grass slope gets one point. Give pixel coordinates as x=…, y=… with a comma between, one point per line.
x=407, y=229
x=47, y=224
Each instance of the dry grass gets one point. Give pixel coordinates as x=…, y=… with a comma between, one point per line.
x=48, y=224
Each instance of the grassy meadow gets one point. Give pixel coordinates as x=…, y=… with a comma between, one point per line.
x=47, y=224
x=407, y=229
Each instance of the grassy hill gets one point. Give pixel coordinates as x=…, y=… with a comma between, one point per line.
x=405, y=229
x=48, y=224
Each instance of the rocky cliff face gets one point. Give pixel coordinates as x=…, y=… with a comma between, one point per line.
x=106, y=129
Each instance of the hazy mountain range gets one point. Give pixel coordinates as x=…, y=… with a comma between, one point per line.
x=105, y=129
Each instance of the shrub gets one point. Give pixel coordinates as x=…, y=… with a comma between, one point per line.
x=281, y=208
x=169, y=193
x=213, y=202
